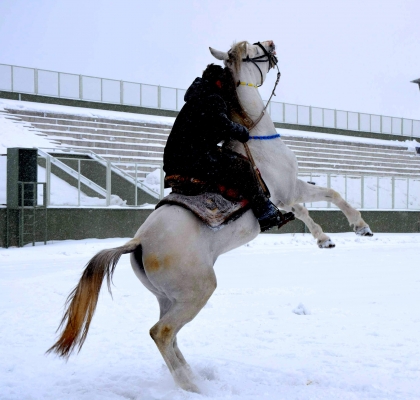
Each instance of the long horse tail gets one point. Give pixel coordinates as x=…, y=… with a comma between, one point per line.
x=81, y=302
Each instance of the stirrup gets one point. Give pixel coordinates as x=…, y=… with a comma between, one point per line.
x=276, y=220
x=285, y=218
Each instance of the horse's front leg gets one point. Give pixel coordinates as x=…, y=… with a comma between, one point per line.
x=307, y=193
x=323, y=240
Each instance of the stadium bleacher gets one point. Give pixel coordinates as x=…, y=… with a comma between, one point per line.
x=128, y=141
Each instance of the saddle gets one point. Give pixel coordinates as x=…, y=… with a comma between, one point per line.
x=215, y=205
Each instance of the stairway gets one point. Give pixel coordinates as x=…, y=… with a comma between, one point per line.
x=129, y=142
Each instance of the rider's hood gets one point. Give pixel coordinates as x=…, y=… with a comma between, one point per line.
x=200, y=88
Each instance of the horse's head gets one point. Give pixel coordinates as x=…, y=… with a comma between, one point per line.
x=250, y=62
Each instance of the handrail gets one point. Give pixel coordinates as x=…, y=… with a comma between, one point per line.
x=365, y=191
x=12, y=79
x=139, y=184
x=70, y=171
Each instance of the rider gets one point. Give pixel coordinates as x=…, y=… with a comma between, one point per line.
x=192, y=148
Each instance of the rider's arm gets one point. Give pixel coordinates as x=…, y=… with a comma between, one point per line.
x=221, y=122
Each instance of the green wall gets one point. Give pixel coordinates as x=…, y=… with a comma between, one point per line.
x=82, y=223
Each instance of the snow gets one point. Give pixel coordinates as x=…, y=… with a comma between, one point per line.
x=359, y=338
x=85, y=112
x=16, y=134
x=410, y=144
x=92, y=113
x=19, y=134
x=152, y=181
x=63, y=194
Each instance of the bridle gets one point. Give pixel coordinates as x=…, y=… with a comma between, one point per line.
x=272, y=62
x=271, y=59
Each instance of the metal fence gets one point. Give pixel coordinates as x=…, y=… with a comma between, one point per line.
x=346, y=120
x=81, y=87
x=90, y=88
x=89, y=182
x=367, y=192
x=364, y=192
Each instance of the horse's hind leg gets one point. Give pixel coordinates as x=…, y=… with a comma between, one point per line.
x=164, y=305
x=185, y=295
x=164, y=334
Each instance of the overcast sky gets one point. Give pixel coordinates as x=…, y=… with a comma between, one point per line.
x=357, y=55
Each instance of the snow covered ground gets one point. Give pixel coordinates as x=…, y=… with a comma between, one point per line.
x=287, y=321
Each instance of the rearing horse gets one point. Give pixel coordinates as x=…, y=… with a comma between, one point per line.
x=173, y=252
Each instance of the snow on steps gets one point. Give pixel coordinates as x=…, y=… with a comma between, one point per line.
x=128, y=141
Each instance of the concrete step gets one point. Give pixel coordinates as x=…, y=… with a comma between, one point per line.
x=73, y=117
x=40, y=121
x=102, y=137
x=346, y=168
x=103, y=144
x=117, y=127
x=142, y=170
x=131, y=159
x=127, y=142
x=300, y=141
x=111, y=132
x=349, y=172
x=120, y=152
x=411, y=160
x=350, y=148
x=356, y=163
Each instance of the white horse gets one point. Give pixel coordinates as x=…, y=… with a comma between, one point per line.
x=173, y=252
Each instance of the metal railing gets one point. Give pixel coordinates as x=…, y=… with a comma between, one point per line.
x=364, y=192
x=345, y=120
x=128, y=171
x=368, y=192
x=90, y=182
x=81, y=87
x=89, y=88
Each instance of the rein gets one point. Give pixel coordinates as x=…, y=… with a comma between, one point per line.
x=272, y=60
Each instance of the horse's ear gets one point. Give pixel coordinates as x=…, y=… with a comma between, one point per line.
x=220, y=55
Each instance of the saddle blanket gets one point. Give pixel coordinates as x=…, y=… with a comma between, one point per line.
x=212, y=208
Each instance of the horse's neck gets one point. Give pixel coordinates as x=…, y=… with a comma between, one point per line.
x=253, y=104
x=266, y=153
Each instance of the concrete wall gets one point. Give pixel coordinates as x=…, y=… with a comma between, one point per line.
x=379, y=221
x=76, y=223
x=82, y=223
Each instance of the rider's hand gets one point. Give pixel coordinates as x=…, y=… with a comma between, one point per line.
x=242, y=133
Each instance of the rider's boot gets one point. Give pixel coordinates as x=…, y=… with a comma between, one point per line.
x=269, y=215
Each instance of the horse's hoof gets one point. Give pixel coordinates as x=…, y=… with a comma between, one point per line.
x=326, y=244
x=191, y=387
x=364, y=231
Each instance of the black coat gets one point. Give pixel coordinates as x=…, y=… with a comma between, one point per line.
x=201, y=124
